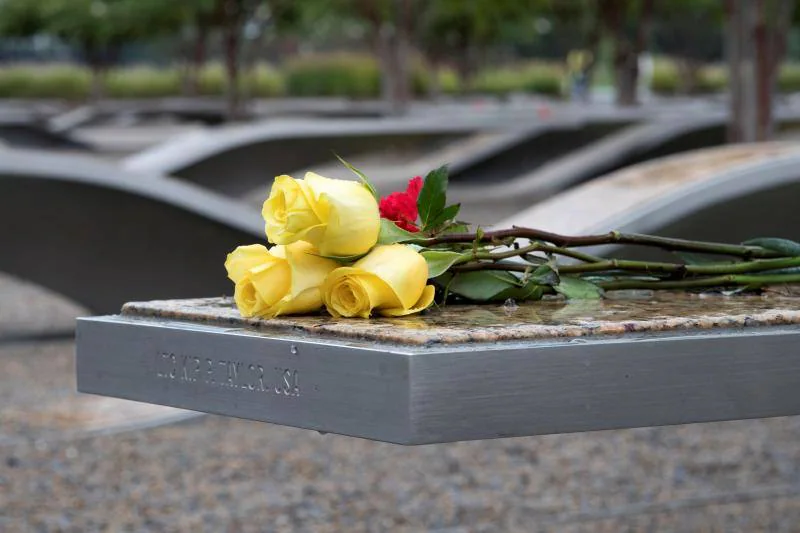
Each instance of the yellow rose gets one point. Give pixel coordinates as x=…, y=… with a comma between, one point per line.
x=390, y=280
x=281, y=281
x=339, y=217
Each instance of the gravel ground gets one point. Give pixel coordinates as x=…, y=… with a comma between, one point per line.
x=28, y=310
x=221, y=474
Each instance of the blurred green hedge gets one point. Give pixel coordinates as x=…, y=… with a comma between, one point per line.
x=142, y=82
x=538, y=78
x=714, y=78
x=357, y=76
x=666, y=79
x=333, y=75
x=346, y=75
x=263, y=81
x=789, y=78
x=56, y=81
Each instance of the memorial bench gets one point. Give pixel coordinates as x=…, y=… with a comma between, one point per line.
x=460, y=372
x=463, y=373
x=654, y=139
x=730, y=193
x=25, y=130
x=102, y=236
x=236, y=160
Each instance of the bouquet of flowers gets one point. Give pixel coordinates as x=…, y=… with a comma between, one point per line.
x=338, y=245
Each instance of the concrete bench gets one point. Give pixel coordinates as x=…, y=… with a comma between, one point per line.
x=484, y=156
x=729, y=193
x=238, y=159
x=637, y=143
x=103, y=236
x=25, y=131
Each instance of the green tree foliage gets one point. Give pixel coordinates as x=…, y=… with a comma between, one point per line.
x=455, y=28
x=21, y=18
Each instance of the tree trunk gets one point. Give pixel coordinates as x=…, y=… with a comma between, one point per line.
x=688, y=75
x=401, y=56
x=231, y=46
x=96, y=60
x=198, y=59
x=465, y=63
x=392, y=47
x=434, y=81
x=733, y=53
x=381, y=43
x=593, y=47
x=763, y=75
x=626, y=51
x=756, y=46
x=97, y=90
x=401, y=75
x=626, y=65
x=626, y=74
x=771, y=37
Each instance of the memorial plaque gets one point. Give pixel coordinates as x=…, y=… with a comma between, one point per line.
x=459, y=372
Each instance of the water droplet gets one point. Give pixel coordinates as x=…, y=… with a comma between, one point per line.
x=293, y=349
x=71, y=452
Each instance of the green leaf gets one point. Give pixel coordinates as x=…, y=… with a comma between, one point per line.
x=545, y=275
x=439, y=261
x=482, y=285
x=782, y=246
x=531, y=291
x=364, y=179
x=391, y=233
x=342, y=258
x=457, y=227
x=433, y=195
x=447, y=214
x=578, y=289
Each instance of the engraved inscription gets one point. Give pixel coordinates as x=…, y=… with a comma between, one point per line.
x=226, y=373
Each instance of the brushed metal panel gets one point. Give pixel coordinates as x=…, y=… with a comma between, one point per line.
x=420, y=395
x=294, y=382
x=605, y=384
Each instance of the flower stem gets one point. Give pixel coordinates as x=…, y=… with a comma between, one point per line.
x=688, y=270
x=471, y=267
x=643, y=266
x=714, y=281
x=613, y=237
x=535, y=247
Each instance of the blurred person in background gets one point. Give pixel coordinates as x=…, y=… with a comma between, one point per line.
x=579, y=63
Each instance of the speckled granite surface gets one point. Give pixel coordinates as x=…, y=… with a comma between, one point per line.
x=457, y=324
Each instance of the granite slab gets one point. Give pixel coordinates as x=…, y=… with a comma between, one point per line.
x=625, y=313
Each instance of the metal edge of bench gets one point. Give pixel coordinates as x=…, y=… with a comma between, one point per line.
x=409, y=395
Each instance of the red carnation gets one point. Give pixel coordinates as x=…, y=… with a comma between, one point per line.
x=401, y=207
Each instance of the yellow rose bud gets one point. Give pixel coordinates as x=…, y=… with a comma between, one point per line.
x=390, y=280
x=281, y=281
x=339, y=217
